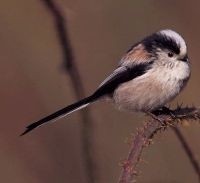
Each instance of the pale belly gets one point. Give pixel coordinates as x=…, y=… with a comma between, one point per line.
x=153, y=89
x=146, y=94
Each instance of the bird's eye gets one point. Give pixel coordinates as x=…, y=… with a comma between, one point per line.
x=170, y=54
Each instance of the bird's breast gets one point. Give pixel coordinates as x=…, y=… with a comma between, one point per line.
x=153, y=89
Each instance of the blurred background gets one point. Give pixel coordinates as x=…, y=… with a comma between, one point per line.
x=34, y=83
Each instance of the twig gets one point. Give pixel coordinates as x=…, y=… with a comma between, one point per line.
x=145, y=134
x=187, y=150
x=71, y=67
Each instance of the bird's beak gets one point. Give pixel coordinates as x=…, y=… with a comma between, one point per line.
x=185, y=59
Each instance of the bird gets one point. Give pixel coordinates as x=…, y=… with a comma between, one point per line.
x=149, y=75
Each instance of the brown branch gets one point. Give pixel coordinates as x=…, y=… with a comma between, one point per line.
x=145, y=134
x=71, y=67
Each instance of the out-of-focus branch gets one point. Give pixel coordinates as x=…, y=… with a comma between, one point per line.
x=187, y=150
x=77, y=85
x=144, y=137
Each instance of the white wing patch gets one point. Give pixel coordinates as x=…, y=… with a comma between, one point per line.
x=114, y=74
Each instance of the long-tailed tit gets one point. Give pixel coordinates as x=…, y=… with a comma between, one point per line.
x=149, y=75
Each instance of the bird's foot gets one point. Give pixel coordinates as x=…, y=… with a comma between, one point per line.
x=162, y=111
x=154, y=116
x=165, y=111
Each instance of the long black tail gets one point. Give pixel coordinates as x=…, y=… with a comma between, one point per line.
x=61, y=113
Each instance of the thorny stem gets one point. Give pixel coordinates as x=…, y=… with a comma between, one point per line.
x=145, y=134
x=71, y=67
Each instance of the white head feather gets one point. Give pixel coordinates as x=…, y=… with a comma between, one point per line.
x=178, y=38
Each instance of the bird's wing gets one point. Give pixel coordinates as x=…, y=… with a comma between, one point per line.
x=120, y=75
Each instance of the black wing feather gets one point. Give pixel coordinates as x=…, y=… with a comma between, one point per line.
x=122, y=75
x=57, y=114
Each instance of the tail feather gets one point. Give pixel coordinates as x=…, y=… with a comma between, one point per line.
x=61, y=113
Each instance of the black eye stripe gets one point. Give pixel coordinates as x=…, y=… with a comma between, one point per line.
x=162, y=41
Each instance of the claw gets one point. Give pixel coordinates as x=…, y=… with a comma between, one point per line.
x=163, y=123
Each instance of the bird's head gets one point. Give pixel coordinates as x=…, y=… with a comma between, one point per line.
x=166, y=45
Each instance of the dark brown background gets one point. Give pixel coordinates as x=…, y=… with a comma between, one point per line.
x=33, y=84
